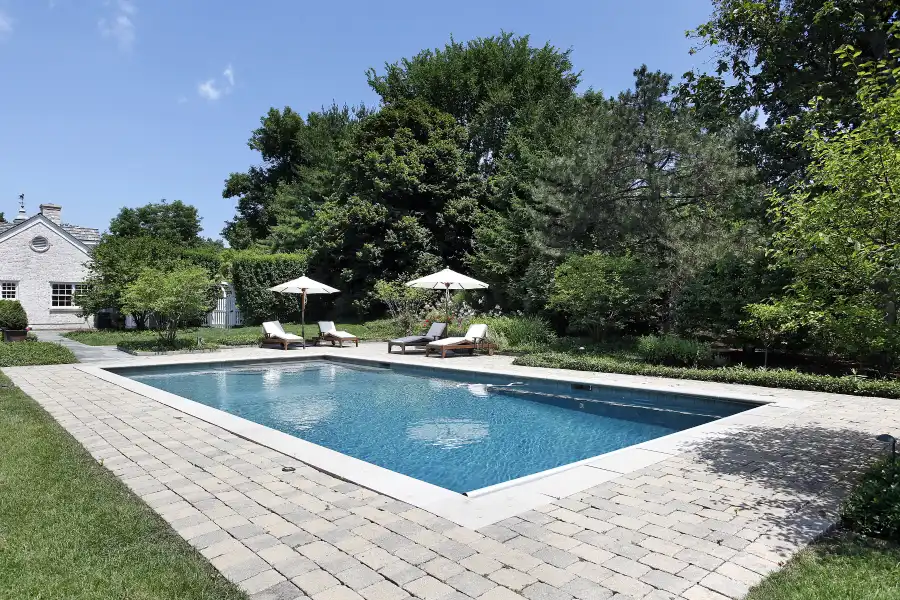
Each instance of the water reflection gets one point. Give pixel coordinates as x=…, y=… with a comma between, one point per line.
x=448, y=433
x=304, y=412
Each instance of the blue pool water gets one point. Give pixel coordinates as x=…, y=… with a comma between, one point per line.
x=460, y=433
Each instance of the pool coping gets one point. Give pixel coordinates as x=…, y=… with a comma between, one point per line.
x=480, y=507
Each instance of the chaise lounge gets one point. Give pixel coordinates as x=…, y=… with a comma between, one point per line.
x=473, y=340
x=329, y=333
x=419, y=341
x=273, y=332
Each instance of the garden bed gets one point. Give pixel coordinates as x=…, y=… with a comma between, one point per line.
x=23, y=354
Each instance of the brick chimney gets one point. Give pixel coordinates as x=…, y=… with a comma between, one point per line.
x=52, y=212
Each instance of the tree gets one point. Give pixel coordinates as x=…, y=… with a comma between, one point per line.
x=176, y=298
x=778, y=56
x=601, y=293
x=175, y=222
x=405, y=304
x=838, y=230
x=767, y=323
x=298, y=170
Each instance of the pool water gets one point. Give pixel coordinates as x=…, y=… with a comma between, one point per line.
x=460, y=433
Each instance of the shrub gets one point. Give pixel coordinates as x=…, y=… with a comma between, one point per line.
x=405, y=304
x=180, y=343
x=600, y=293
x=253, y=274
x=175, y=298
x=519, y=332
x=23, y=354
x=12, y=315
x=775, y=378
x=674, y=351
x=873, y=507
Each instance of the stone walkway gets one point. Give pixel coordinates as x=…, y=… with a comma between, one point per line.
x=84, y=353
x=703, y=525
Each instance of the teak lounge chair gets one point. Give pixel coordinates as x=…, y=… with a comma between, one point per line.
x=419, y=341
x=329, y=333
x=273, y=332
x=474, y=340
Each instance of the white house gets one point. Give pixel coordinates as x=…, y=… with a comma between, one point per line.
x=42, y=265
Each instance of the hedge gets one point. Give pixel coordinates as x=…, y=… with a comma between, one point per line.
x=253, y=274
x=24, y=354
x=12, y=315
x=873, y=507
x=775, y=378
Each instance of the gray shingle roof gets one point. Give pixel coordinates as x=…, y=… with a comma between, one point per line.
x=85, y=235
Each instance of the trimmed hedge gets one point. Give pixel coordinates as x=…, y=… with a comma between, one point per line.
x=873, y=507
x=133, y=346
x=253, y=274
x=775, y=378
x=12, y=315
x=24, y=354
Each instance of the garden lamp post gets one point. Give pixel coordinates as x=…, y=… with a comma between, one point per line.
x=889, y=439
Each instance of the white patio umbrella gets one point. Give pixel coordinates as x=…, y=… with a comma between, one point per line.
x=303, y=285
x=447, y=280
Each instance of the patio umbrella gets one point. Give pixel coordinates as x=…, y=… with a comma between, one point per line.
x=303, y=285
x=447, y=280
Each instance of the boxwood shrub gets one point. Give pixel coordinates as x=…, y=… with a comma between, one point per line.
x=12, y=315
x=873, y=507
x=775, y=378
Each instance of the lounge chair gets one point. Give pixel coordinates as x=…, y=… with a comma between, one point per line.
x=273, y=332
x=419, y=341
x=473, y=340
x=329, y=333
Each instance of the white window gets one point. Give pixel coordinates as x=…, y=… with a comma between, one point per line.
x=63, y=294
x=8, y=290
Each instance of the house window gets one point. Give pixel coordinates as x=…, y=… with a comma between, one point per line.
x=8, y=290
x=63, y=294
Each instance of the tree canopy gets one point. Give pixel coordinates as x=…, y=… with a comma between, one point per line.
x=175, y=222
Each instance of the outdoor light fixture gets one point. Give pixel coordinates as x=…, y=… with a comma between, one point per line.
x=889, y=439
x=288, y=469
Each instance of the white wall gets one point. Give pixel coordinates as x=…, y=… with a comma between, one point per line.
x=63, y=262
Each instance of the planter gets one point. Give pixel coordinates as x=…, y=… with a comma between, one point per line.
x=15, y=335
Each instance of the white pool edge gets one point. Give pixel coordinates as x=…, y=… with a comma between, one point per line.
x=477, y=508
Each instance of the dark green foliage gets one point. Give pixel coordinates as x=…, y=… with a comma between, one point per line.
x=776, y=378
x=210, y=258
x=674, y=351
x=12, y=315
x=23, y=354
x=173, y=222
x=252, y=276
x=873, y=507
x=519, y=333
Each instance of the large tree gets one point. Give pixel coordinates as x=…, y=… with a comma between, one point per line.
x=839, y=227
x=297, y=173
x=174, y=222
x=776, y=56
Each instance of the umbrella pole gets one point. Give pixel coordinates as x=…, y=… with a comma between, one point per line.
x=447, y=301
x=303, y=316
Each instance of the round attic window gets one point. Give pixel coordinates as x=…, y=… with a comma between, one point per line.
x=40, y=244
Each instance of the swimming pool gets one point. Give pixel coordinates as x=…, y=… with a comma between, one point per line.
x=459, y=432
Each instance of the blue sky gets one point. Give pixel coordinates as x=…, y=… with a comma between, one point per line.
x=111, y=103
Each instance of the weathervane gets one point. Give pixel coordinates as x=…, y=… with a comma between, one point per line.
x=22, y=201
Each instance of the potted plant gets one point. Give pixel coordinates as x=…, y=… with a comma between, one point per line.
x=13, y=321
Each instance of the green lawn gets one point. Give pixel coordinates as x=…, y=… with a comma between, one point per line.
x=843, y=566
x=20, y=354
x=69, y=529
x=372, y=330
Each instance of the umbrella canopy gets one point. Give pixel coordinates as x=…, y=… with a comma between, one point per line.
x=303, y=285
x=447, y=280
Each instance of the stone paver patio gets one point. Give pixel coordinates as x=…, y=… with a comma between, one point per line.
x=705, y=523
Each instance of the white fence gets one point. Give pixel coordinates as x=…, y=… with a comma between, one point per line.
x=226, y=313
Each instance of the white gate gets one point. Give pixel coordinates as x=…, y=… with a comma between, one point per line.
x=226, y=313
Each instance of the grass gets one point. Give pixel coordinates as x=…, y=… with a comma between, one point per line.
x=843, y=565
x=621, y=362
x=69, y=528
x=237, y=336
x=21, y=354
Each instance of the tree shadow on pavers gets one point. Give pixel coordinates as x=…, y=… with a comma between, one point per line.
x=797, y=476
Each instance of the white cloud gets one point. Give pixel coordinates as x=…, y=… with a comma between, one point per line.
x=213, y=89
x=6, y=24
x=120, y=24
x=208, y=90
